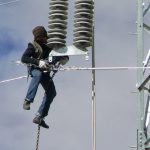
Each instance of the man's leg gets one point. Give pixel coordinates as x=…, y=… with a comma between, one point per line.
x=36, y=78
x=50, y=93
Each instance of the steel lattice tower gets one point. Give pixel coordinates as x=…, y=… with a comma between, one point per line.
x=142, y=81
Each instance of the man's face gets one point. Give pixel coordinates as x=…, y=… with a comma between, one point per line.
x=43, y=40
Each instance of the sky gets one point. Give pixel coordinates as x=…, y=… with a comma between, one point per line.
x=71, y=111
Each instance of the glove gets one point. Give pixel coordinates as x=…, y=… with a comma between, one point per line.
x=43, y=64
x=63, y=60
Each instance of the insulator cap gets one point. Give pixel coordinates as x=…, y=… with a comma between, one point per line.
x=58, y=7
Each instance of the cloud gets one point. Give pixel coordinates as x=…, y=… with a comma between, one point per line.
x=10, y=41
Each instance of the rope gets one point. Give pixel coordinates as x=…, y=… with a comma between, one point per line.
x=8, y=80
x=38, y=137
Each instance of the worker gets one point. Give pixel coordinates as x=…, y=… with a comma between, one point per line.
x=34, y=56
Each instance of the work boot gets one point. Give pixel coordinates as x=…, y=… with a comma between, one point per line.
x=26, y=105
x=39, y=120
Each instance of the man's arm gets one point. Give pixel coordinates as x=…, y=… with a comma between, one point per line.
x=28, y=56
x=61, y=59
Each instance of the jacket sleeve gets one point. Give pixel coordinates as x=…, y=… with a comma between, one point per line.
x=59, y=58
x=28, y=56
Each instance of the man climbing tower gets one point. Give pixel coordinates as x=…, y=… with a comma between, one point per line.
x=34, y=56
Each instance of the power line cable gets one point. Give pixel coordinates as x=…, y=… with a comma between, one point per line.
x=100, y=68
x=82, y=68
x=6, y=3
